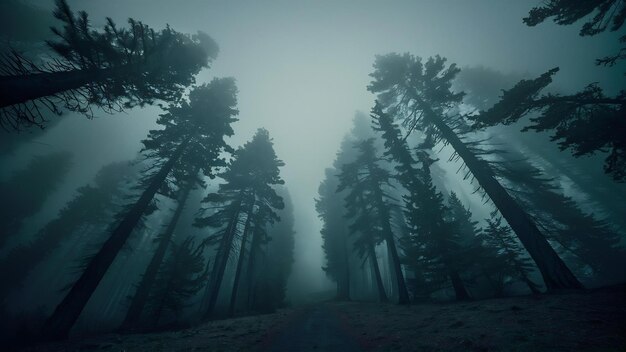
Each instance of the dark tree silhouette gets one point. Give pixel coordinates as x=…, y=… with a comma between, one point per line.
x=431, y=241
x=248, y=191
x=607, y=14
x=587, y=122
x=141, y=295
x=419, y=93
x=196, y=127
x=182, y=275
x=590, y=239
x=330, y=210
x=483, y=87
x=511, y=258
x=369, y=205
x=91, y=207
x=279, y=252
x=113, y=69
x=24, y=193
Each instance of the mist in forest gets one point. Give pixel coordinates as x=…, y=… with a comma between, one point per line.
x=214, y=159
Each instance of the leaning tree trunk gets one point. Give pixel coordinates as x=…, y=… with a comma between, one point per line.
x=403, y=293
x=382, y=295
x=555, y=273
x=147, y=281
x=20, y=89
x=242, y=250
x=219, y=265
x=254, y=249
x=66, y=313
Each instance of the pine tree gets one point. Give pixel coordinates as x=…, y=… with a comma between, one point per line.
x=113, y=69
x=369, y=204
x=589, y=239
x=585, y=123
x=91, y=207
x=144, y=287
x=250, y=178
x=279, y=251
x=607, y=14
x=182, y=275
x=512, y=258
x=330, y=210
x=420, y=94
x=194, y=130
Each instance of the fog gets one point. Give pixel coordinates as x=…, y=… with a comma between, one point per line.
x=302, y=69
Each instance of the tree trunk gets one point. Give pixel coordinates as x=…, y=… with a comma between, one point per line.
x=220, y=262
x=66, y=313
x=145, y=285
x=343, y=285
x=403, y=293
x=242, y=250
x=555, y=273
x=20, y=89
x=250, y=270
x=459, y=287
x=382, y=295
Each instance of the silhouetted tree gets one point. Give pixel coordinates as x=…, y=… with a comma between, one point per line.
x=512, y=258
x=182, y=275
x=483, y=87
x=144, y=287
x=249, y=180
x=589, y=239
x=91, y=207
x=193, y=129
x=419, y=93
x=335, y=244
x=368, y=203
x=113, y=69
x=607, y=14
x=24, y=193
x=279, y=251
x=585, y=123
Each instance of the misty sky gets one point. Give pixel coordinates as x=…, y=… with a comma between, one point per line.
x=302, y=70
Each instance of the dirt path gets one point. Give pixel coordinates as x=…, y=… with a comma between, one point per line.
x=316, y=329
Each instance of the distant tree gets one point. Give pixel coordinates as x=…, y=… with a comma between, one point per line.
x=92, y=206
x=511, y=257
x=182, y=275
x=279, y=251
x=607, y=14
x=248, y=190
x=194, y=130
x=24, y=193
x=335, y=244
x=369, y=205
x=113, y=69
x=420, y=94
x=585, y=123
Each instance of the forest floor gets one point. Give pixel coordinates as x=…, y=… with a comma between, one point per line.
x=588, y=321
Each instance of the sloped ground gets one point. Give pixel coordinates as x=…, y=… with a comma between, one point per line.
x=589, y=321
